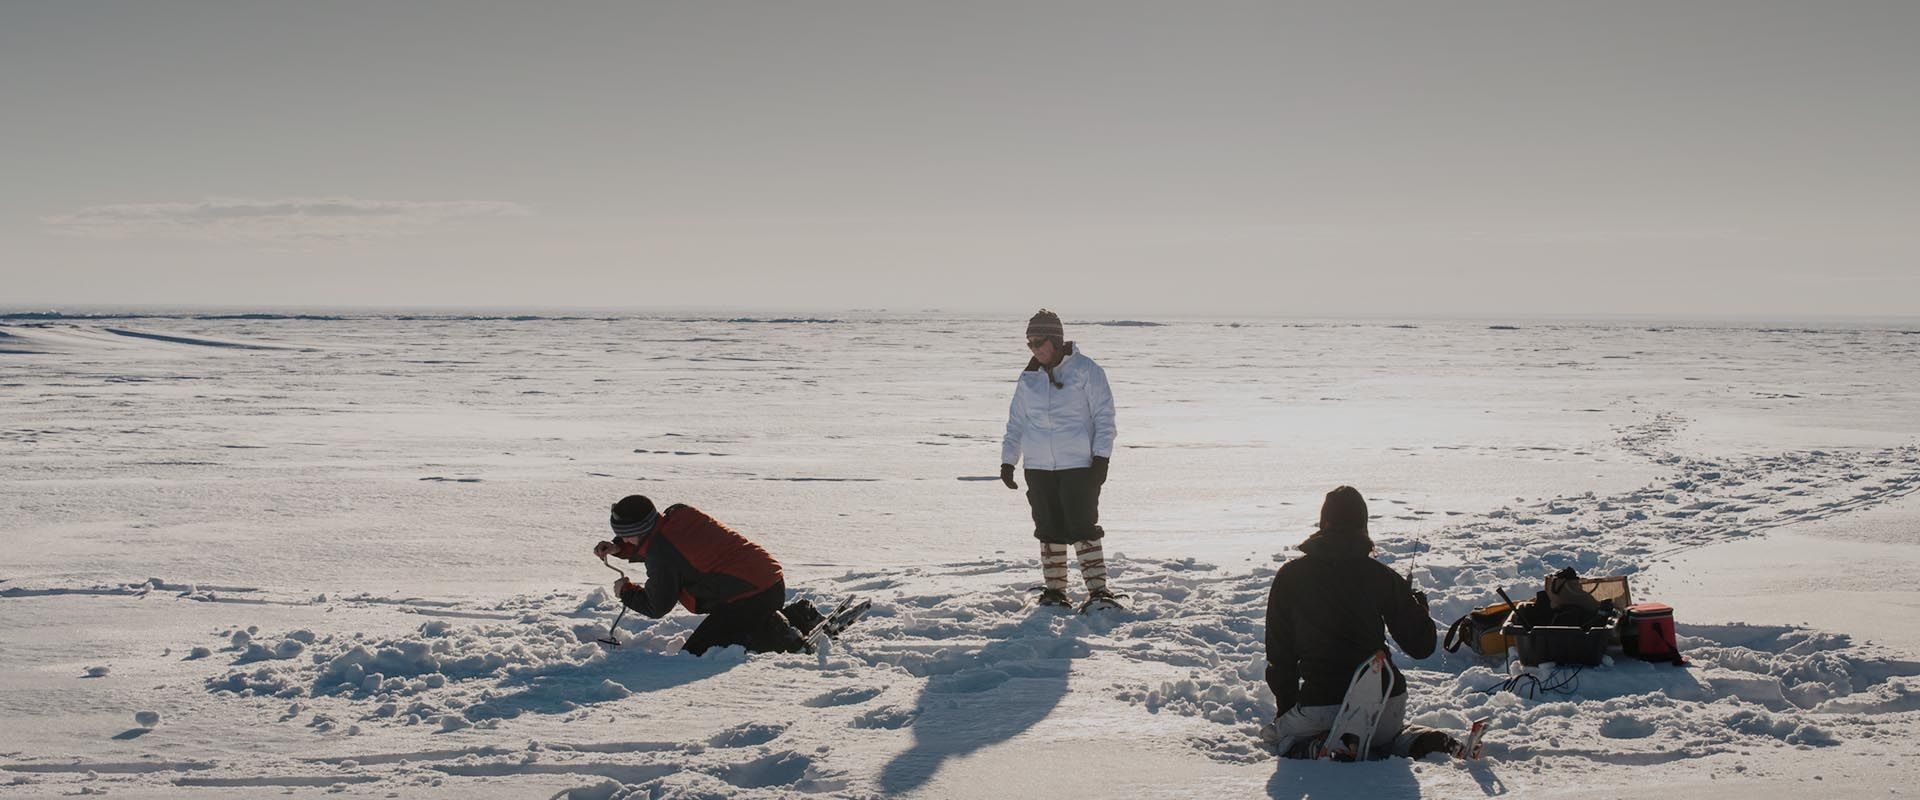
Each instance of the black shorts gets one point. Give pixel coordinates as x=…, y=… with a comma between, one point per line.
x=1066, y=505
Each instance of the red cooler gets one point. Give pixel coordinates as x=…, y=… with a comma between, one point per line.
x=1647, y=632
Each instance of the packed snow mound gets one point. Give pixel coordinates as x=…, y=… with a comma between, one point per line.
x=387, y=670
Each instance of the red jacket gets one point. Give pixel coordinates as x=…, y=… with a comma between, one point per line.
x=694, y=559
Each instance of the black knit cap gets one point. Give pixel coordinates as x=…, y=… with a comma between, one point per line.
x=634, y=515
x=1344, y=511
x=1046, y=323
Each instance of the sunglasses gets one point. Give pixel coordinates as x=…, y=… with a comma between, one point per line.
x=1035, y=342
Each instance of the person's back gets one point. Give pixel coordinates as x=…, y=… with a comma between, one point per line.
x=717, y=564
x=1328, y=612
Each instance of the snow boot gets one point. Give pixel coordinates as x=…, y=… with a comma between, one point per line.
x=1432, y=742
x=802, y=615
x=1101, y=599
x=1054, y=597
x=1304, y=749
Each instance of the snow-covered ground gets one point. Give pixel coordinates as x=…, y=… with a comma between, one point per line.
x=350, y=554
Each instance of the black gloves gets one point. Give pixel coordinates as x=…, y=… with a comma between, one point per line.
x=637, y=597
x=1099, y=472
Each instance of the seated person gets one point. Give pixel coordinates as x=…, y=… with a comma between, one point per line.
x=1328, y=612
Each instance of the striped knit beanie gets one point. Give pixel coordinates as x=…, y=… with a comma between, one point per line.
x=634, y=516
x=1046, y=323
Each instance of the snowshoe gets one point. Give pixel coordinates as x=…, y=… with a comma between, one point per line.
x=815, y=629
x=1053, y=597
x=807, y=619
x=845, y=614
x=1353, y=727
x=822, y=635
x=1100, y=600
x=1470, y=749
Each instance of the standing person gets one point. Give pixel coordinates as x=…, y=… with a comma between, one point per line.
x=695, y=561
x=1325, y=617
x=1061, y=422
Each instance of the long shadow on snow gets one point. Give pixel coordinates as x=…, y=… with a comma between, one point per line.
x=973, y=700
x=557, y=689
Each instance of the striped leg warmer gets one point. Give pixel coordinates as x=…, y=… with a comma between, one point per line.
x=1093, y=564
x=1053, y=565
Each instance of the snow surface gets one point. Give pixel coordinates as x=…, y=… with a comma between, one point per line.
x=349, y=554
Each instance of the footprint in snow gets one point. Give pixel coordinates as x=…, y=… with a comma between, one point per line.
x=845, y=696
x=747, y=735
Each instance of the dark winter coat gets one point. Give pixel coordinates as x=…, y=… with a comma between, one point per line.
x=693, y=559
x=1325, y=616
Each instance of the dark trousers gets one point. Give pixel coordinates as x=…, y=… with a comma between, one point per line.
x=753, y=622
x=1066, y=505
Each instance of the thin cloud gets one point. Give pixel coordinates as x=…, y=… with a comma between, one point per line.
x=1606, y=235
x=283, y=221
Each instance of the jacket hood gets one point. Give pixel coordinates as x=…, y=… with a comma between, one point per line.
x=1346, y=544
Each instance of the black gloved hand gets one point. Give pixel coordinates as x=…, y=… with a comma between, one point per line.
x=632, y=595
x=1100, y=469
x=1006, y=476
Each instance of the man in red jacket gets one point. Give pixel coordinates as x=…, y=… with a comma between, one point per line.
x=695, y=561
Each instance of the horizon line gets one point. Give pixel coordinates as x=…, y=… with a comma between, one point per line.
x=1098, y=316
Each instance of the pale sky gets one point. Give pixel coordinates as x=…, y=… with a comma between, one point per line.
x=1696, y=158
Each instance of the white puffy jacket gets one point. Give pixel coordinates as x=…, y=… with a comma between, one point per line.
x=1060, y=428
